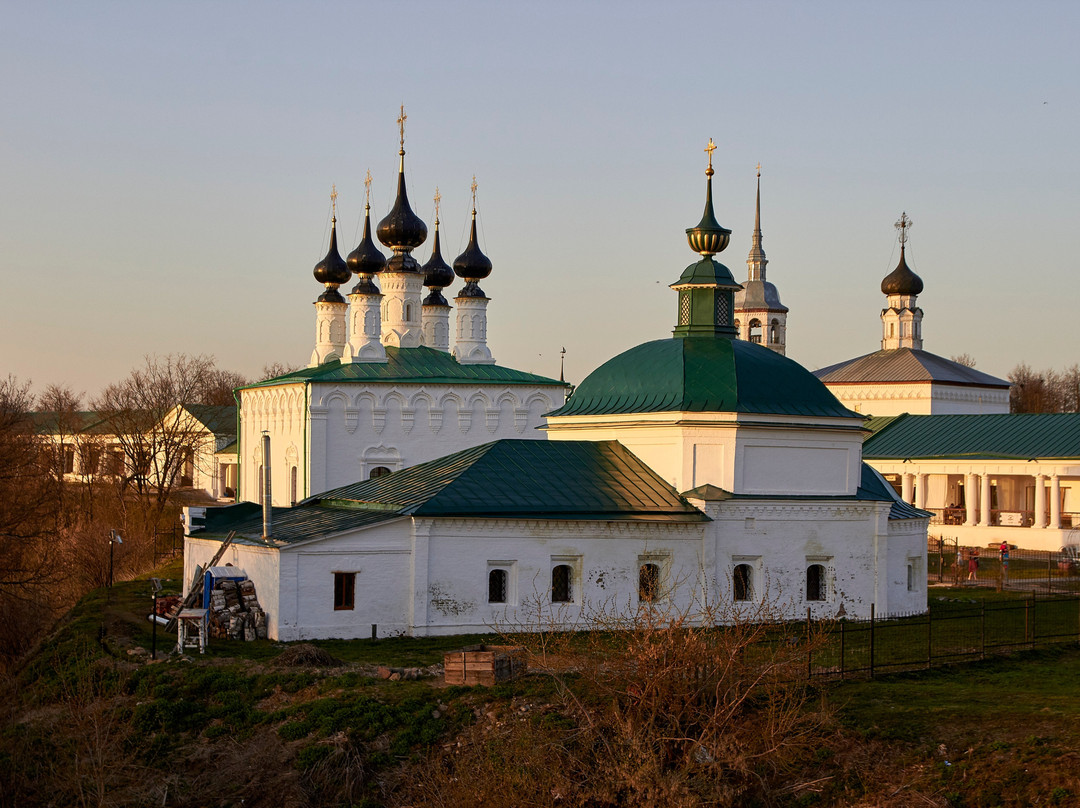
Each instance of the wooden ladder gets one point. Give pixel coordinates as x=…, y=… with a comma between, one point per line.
x=194, y=595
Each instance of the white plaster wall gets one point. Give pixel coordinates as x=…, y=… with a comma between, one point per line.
x=452, y=594
x=380, y=557
x=280, y=411
x=353, y=426
x=921, y=398
x=736, y=452
x=781, y=539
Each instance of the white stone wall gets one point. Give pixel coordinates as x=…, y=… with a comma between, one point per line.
x=752, y=454
x=426, y=577
x=921, y=398
x=353, y=428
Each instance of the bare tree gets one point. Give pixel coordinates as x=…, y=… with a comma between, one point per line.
x=965, y=359
x=27, y=525
x=218, y=388
x=274, y=369
x=146, y=412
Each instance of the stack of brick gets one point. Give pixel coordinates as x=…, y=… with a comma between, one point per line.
x=235, y=612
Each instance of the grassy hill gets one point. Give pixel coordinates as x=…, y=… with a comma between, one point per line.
x=91, y=720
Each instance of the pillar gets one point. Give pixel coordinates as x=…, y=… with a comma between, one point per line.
x=920, y=490
x=984, y=501
x=471, y=347
x=365, y=344
x=1040, y=500
x=330, y=334
x=906, y=486
x=970, y=498
x=1055, y=502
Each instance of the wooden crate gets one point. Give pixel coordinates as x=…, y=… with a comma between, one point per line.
x=483, y=664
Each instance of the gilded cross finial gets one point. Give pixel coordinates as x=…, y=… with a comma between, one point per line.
x=759, y=169
x=333, y=200
x=709, y=150
x=367, y=190
x=438, y=199
x=474, y=187
x=401, y=125
x=903, y=224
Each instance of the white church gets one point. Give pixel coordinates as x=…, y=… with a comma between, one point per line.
x=414, y=489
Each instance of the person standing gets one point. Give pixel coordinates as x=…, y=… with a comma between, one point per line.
x=973, y=566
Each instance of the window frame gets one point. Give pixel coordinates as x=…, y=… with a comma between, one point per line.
x=746, y=585
x=344, y=591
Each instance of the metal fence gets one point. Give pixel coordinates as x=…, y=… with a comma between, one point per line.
x=1045, y=571
x=953, y=630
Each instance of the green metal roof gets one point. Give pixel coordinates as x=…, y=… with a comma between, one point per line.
x=697, y=374
x=217, y=419
x=709, y=272
x=1018, y=436
x=513, y=479
x=289, y=525
x=527, y=479
x=409, y=365
x=876, y=423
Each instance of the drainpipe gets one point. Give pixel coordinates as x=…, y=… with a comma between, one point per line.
x=266, y=485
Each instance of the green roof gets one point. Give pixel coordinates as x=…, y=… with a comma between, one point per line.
x=409, y=365
x=217, y=419
x=527, y=479
x=1022, y=436
x=512, y=479
x=697, y=374
x=876, y=423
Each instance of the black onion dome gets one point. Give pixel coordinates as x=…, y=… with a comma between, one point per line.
x=437, y=274
x=366, y=258
x=401, y=229
x=332, y=269
x=472, y=265
x=901, y=281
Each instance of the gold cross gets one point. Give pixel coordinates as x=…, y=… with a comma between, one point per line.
x=401, y=124
x=438, y=199
x=367, y=189
x=474, y=187
x=759, y=169
x=333, y=199
x=903, y=224
x=710, y=149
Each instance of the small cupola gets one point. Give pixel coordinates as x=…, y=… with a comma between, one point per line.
x=437, y=273
x=706, y=289
x=902, y=281
x=332, y=271
x=366, y=261
x=472, y=265
x=402, y=230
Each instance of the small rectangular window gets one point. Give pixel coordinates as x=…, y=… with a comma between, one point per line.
x=344, y=590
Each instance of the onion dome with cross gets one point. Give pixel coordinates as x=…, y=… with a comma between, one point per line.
x=472, y=265
x=437, y=273
x=332, y=271
x=402, y=230
x=366, y=260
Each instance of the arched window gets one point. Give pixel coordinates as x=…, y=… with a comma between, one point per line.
x=755, y=330
x=497, y=586
x=292, y=485
x=648, y=583
x=738, y=331
x=408, y=312
x=378, y=471
x=744, y=582
x=774, y=331
x=561, y=584
x=815, y=582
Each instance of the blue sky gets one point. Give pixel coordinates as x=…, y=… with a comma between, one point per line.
x=165, y=169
